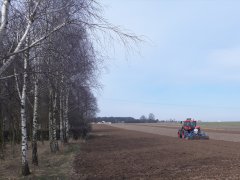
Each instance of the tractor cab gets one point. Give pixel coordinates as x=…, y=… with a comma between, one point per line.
x=189, y=124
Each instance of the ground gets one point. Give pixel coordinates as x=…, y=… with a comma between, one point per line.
x=51, y=166
x=135, y=151
x=114, y=153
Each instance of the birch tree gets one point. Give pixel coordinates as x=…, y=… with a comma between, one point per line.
x=25, y=168
x=35, y=115
x=4, y=18
x=30, y=20
x=54, y=40
x=22, y=96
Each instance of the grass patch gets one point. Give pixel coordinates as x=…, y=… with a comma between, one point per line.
x=220, y=124
x=57, y=166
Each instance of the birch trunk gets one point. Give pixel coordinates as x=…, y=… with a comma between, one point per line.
x=13, y=139
x=25, y=167
x=21, y=42
x=35, y=124
x=50, y=118
x=4, y=18
x=61, y=116
x=54, y=144
x=2, y=138
x=56, y=148
x=10, y=60
x=66, y=120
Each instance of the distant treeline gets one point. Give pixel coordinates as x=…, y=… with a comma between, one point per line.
x=123, y=120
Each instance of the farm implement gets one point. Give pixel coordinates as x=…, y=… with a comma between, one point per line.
x=191, y=131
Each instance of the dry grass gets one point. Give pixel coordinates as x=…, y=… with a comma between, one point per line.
x=51, y=166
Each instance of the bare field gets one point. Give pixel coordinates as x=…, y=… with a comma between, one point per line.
x=118, y=153
x=221, y=126
x=215, y=131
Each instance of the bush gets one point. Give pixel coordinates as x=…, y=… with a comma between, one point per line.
x=81, y=131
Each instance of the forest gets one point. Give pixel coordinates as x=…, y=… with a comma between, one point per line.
x=49, y=69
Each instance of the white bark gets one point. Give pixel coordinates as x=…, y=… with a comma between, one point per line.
x=53, y=121
x=50, y=116
x=18, y=48
x=66, y=120
x=4, y=18
x=54, y=124
x=61, y=115
x=36, y=42
x=17, y=84
x=35, y=109
x=21, y=42
x=61, y=96
x=10, y=76
x=23, y=121
x=25, y=168
x=35, y=123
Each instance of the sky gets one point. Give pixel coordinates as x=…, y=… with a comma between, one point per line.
x=187, y=66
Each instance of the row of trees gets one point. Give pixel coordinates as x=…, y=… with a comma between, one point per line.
x=115, y=119
x=142, y=119
x=48, y=70
x=151, y=116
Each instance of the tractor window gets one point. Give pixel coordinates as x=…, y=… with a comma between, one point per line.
x=190, y=123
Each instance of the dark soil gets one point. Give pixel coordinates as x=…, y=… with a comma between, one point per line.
x=113, y=153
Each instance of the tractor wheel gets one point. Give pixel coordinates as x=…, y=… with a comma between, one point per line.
x=183, y=135
x=179, y=135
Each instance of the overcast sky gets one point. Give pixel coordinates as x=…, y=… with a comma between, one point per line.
x=189, y=65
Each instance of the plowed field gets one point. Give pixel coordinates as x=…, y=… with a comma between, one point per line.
x=116, y=153
x=226, y=134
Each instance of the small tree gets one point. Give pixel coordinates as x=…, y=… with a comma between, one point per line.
x=151, y=116
x=143, y=117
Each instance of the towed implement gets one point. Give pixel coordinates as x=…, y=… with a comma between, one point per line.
x=191, y=131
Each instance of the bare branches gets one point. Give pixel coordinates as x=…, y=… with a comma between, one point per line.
x=22, y=40
x=50, y=52
x=7, y=77
x=4, y=18
x=36, y=42
x=17, y=83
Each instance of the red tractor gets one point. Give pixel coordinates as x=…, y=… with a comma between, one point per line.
x=190, y=130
